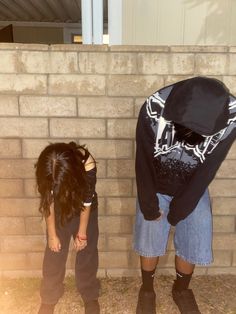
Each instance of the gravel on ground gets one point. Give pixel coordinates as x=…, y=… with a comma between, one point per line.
x=214, y=294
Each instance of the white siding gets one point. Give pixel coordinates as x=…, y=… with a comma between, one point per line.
x=170, y=22
x=179, y=22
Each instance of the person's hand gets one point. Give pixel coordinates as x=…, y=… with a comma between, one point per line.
x=80, y=242
x=54, y=243
x=161, y=216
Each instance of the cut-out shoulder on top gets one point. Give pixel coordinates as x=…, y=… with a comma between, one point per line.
x=90, y=162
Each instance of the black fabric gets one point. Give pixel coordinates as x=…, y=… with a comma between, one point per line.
x=200, y=104
x=185, y=301
x=166, y=165
x=92, y=307
x=146, y=302
x=91, y=195
x=46, y=309
x=145, y=167
x=147, y=279
x=182, y=280
x=86, y=265
x=187, y=196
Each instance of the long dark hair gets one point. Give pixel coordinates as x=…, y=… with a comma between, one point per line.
x=61, y=179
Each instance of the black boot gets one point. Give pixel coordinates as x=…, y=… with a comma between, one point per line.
x=146, y=302
x=46, y=309
x=185, y=301
x=92, y=307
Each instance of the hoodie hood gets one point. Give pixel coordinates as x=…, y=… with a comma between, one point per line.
x=200, y=104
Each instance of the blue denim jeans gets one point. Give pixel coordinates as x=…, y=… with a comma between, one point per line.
x=192, y=236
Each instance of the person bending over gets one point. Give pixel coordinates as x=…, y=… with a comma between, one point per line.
x=183, y=134
x=66, y=179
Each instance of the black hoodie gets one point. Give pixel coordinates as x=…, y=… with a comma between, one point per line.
x=178, y=169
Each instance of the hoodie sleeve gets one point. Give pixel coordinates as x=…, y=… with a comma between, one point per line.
x=144, y=166
x=186, y=200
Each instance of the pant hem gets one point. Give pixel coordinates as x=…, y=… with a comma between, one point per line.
x=197, y=262
x=144, y=254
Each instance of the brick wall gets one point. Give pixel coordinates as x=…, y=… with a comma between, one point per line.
x=93, y=93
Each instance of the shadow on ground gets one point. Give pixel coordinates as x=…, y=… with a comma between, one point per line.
x=214, y=294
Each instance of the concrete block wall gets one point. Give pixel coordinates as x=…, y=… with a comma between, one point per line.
x=92, y=94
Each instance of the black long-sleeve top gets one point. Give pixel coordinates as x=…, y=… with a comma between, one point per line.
x=175, y=168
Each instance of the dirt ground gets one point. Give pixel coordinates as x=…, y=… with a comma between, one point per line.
x=214, y=294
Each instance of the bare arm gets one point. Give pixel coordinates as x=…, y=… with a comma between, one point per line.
x=53, y=240
x=84, y=219
x=81, y=239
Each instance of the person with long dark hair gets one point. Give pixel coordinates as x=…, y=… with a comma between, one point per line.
x=184, y=132
x=66, y=179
